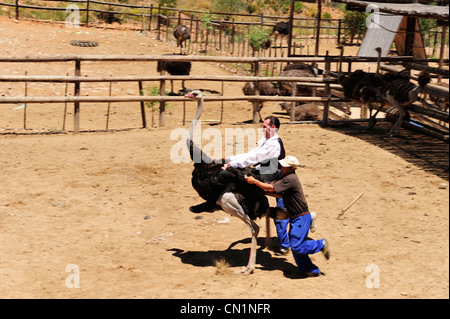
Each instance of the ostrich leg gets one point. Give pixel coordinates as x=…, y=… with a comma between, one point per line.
x=230, y=204
x=252, y=258
x=395, y=129
x=372, y=119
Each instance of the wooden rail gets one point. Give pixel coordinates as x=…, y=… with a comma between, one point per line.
x=197, y=58
x=327, y=83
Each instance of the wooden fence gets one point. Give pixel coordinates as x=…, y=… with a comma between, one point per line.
x=325, y=83
x=77, y=79
x=221, y=29
x=217, y=31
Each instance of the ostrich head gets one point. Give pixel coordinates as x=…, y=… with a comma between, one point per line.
x=196, y=95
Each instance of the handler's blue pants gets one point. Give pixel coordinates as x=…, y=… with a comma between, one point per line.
x=282, y=227
x=301, y=247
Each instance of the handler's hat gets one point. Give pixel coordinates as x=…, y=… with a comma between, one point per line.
x=289, y=161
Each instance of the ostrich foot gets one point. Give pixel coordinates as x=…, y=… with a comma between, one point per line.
x=391, y=135
x=372, y=122
x=203, y=207
x=245, y=271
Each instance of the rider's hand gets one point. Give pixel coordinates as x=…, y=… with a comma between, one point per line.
x=250, y=179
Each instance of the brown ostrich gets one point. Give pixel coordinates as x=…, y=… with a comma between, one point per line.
x=264, y=88
x=304, y=112
x=297, y=70
x=181, y=34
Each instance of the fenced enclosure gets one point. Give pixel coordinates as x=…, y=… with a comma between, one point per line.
x=328, y=91
x=213, y=32
x=216, y=37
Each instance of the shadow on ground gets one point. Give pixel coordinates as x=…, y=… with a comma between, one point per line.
x=238, y=258
x=426, y=152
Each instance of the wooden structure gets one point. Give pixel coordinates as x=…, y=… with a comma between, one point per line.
x=408, y=37
x=326, y=83
x=394, y=30
x=411, y=8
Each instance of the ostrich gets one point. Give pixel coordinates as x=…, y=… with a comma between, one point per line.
x=304, y=112
x=401, y=93
x=442, y=103
x=239, y=199
x=297, y=70
x=181, y=34
x=265, y=88
x=363, y=88
x=174, y=68
x=281, y=28
x=309, y=69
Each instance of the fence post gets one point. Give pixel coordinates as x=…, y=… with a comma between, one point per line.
x=17, y=9
x=76, y=112
x=158, y=24
x=150, y=18
x=293, y=104
x=232, y=37
x=143, y=19
x=25, y=105
x=441, y=52
x=87, y=13
x=167, y=28
x=141, y=93
x=109, y=106
x=319, y=13
x=65, y=106
x=191, y=25
x=256, y=114
x=339, y=32
x=327, y=93
x=162, y=104
x=220, y=36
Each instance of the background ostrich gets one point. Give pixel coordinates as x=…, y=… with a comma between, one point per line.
x=174, y=68
x=264, y=88
x=363, y=88
x=442, y=103
x=280, y=29
x=181, y=34
x=297, y=70
x=401, y=93
x=304, y=112
x=242, y=200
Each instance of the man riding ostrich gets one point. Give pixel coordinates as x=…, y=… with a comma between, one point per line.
x=218, y=183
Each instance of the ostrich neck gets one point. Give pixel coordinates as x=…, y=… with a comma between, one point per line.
x=197, y=116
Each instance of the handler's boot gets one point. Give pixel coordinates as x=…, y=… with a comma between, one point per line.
x=326, y=249
x=312, y=228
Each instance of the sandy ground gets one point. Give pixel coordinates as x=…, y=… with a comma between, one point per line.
x=112, y=207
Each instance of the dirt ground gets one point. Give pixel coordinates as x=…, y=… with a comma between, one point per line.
x=111, y=208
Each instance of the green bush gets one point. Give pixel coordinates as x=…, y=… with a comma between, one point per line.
x=257, y=36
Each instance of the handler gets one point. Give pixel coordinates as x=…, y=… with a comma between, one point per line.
x=289, y=188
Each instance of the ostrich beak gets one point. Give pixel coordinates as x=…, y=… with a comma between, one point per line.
x=189, y=96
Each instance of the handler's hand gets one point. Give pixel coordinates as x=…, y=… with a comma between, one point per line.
x=250, y=179
x=225, y=166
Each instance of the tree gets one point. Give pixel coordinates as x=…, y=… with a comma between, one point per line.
x=257, y=36
x=356, y=23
